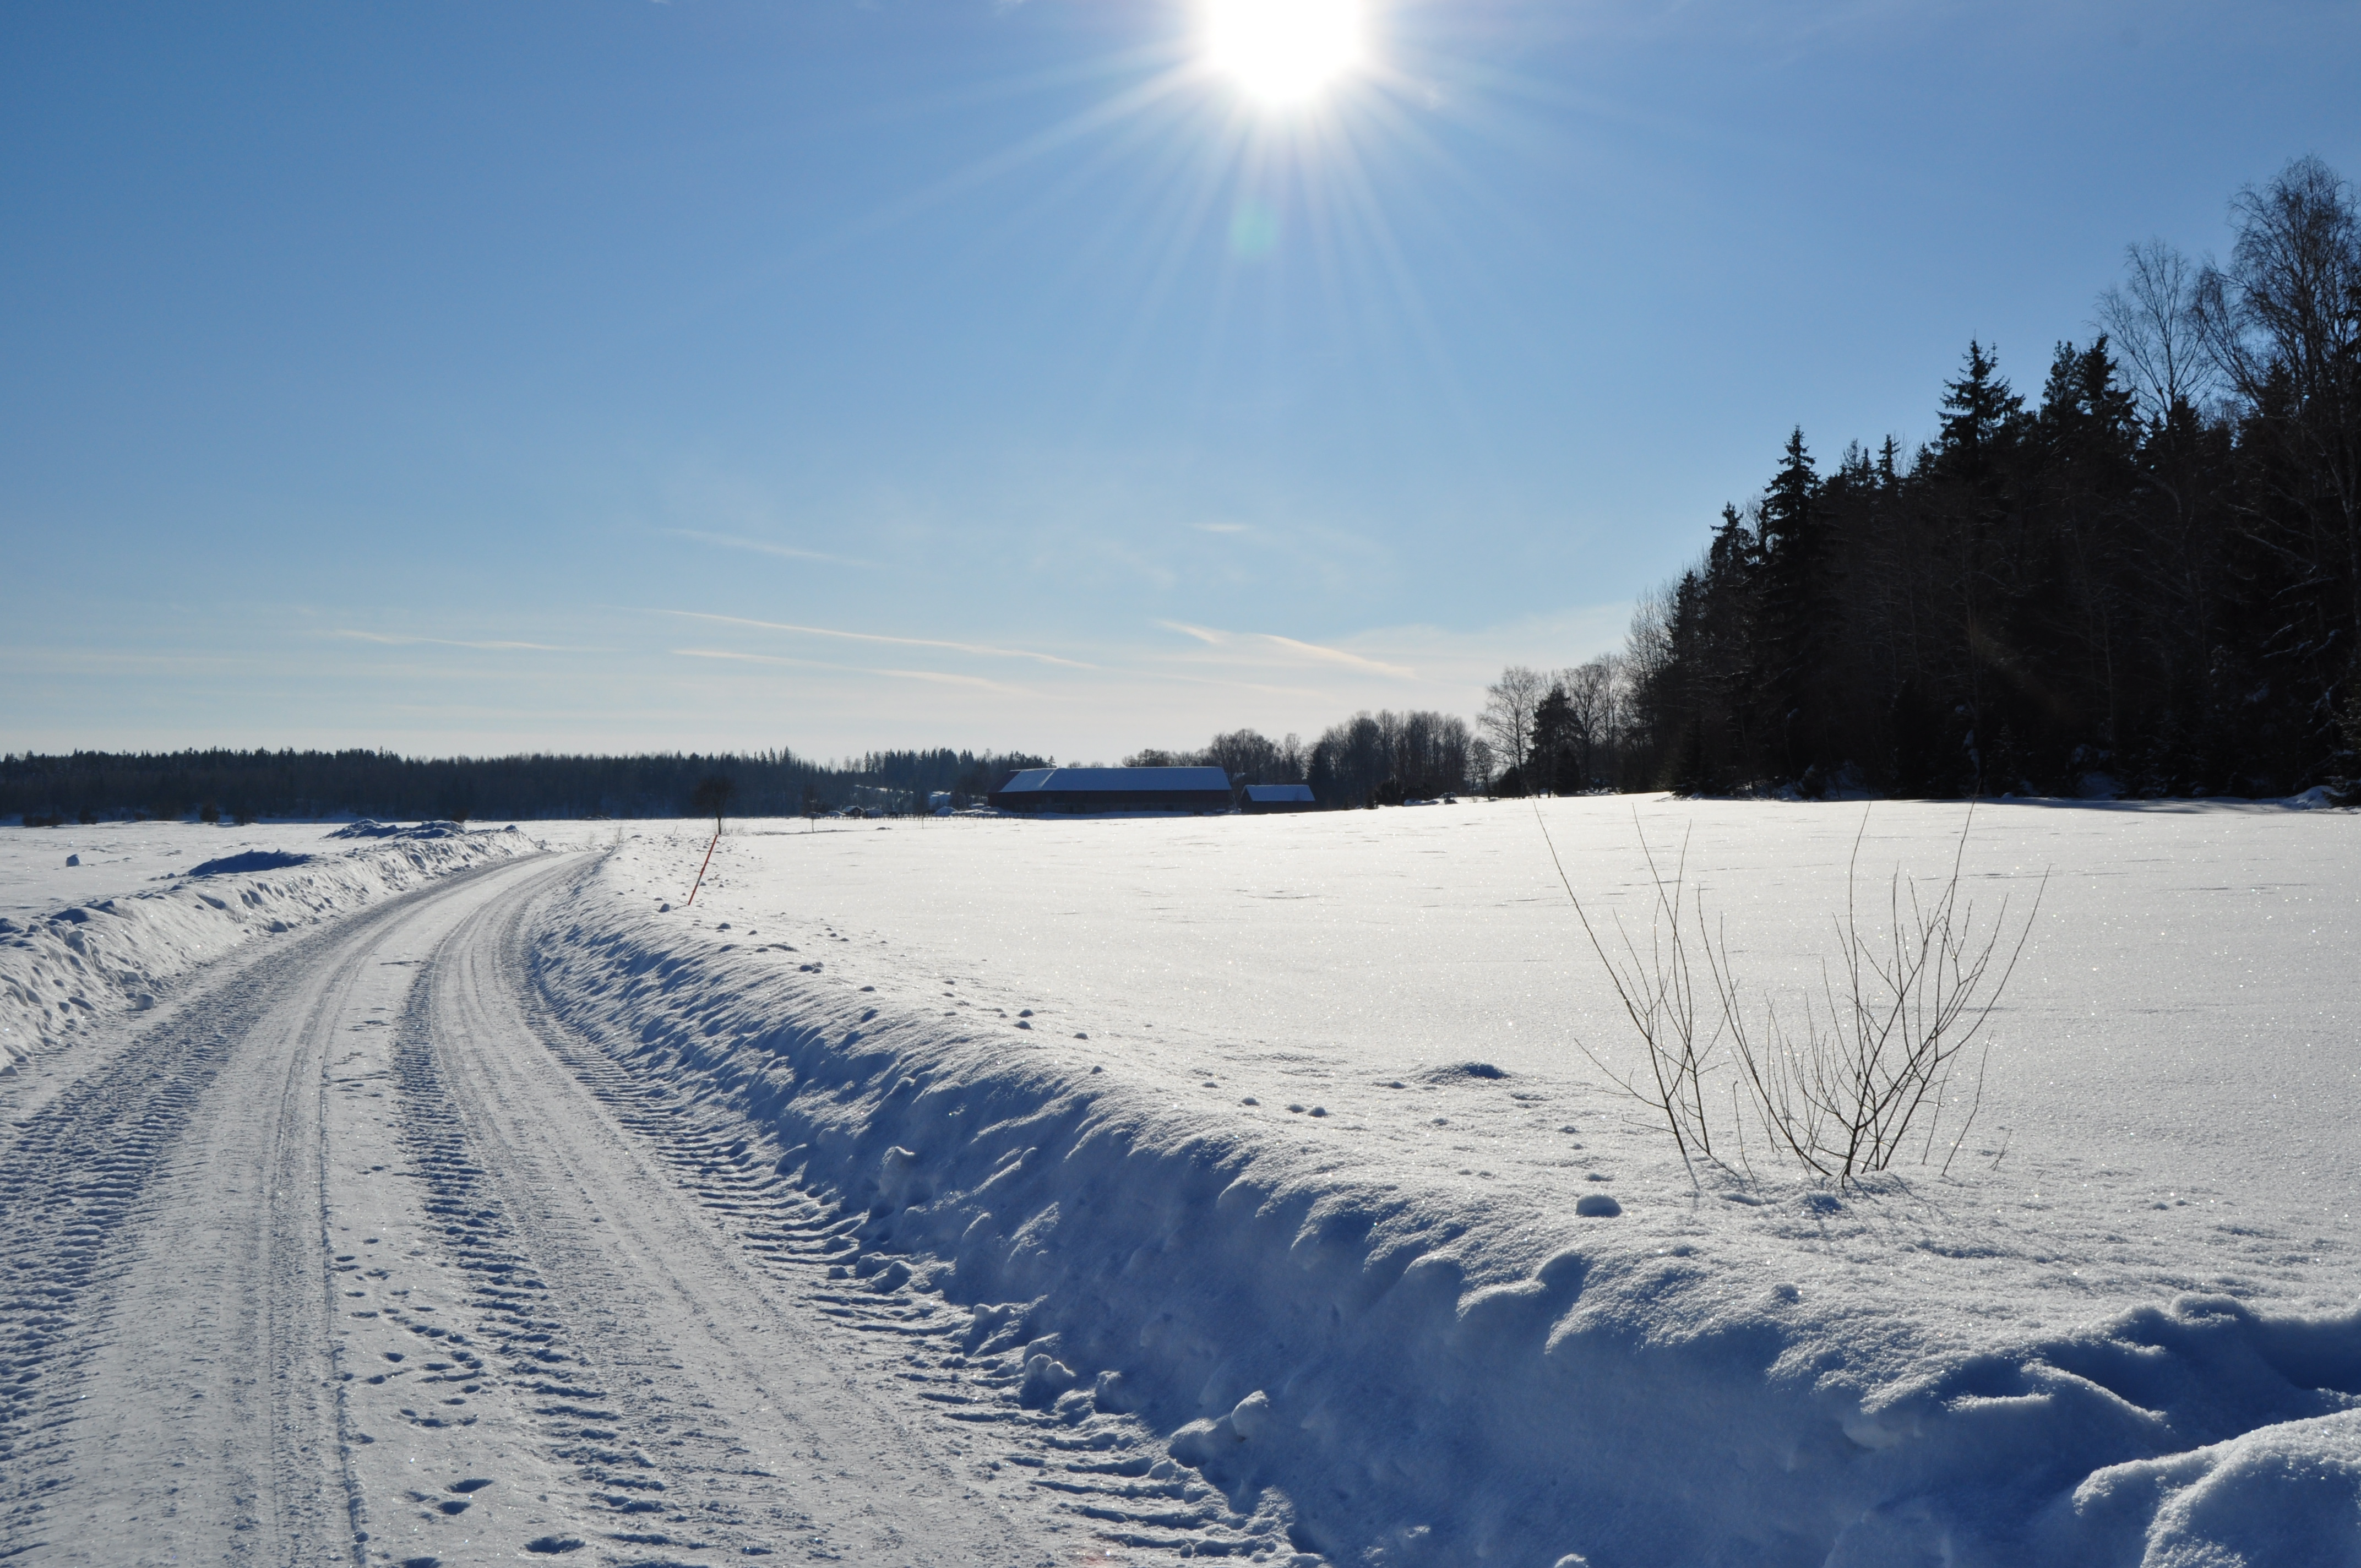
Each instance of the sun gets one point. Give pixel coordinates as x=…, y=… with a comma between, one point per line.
x=1284, y=52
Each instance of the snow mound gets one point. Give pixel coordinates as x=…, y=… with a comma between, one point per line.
x=252, y=861
x=63, y=971
x=1463, y=1072
x=368, y=829
x=1434, y=1375
x=2285, y=1494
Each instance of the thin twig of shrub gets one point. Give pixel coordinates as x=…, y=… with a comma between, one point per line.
x=1659, y=993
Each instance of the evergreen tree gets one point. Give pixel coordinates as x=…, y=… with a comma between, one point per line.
x=1980, y=417
x=1796, y=608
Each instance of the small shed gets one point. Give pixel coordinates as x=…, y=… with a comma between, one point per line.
x=1089, y=791
x=1261, y=798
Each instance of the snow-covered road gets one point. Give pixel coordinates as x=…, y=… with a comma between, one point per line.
x=351, y=1255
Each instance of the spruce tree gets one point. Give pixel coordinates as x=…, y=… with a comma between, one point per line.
x=1795, y=608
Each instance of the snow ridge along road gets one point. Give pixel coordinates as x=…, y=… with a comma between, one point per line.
x=66, y=965
x=336, y=1260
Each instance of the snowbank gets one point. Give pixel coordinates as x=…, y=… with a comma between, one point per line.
x=1445, y=1364
x=71, y=966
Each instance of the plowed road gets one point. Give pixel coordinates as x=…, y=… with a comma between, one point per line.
x=348, y=1255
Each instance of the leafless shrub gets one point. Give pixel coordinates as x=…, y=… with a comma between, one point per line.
x=1853, y=1075
x=1658, y=990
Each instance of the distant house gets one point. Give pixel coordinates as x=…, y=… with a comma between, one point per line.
x=1092, y=790
x=1261, y=799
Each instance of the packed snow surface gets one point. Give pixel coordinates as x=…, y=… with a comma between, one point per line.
x=1274, y=1133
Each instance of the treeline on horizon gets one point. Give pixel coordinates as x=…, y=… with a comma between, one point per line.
x=91, y=786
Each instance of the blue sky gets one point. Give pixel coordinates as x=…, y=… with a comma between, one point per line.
x=607, y=376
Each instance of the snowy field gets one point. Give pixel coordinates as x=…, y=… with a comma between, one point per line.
x=45, y=869
x=2124, y=1323
x=1029, y=1192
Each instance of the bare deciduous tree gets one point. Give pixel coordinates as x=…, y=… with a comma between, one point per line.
x=2282, y=324
x=1247, y=755
x=1591, y=695
x=2150, y=320
x=1482, y=767
x=1508, y=716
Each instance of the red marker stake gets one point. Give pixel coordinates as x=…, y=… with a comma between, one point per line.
x=700, y=871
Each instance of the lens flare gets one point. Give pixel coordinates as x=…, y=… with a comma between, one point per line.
x=1284, y=52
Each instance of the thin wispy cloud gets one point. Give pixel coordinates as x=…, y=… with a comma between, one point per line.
x=1221, y=527
x=938, y=677
x=1313, y=653
x=1260, y=689
x=764, y=547
x=1327, y=655
x=110, y=660
x=979, y=649
x=499, y=646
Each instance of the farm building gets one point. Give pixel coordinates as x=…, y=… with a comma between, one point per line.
x=1279, y=797
x=1090, y=790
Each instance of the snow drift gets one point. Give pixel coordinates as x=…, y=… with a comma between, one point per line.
x=1436, y=1376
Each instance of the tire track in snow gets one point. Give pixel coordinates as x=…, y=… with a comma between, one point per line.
x=195, y=1150
x=69, y=1183
x=517, y=1316
x=685, y=1404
